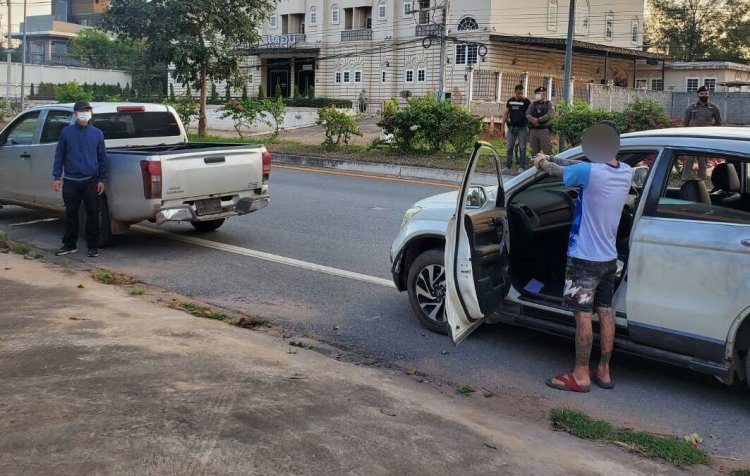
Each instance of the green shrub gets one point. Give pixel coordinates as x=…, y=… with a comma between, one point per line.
x=339, y=126
x=186, y=107
x=645, y=114
x=214, y=98
x=277, y=111
x=6, y=110
x=261, y=93
x=244, y=113
x=571, y=121
x=317, y=103
x=427, y=122
x=72, y=92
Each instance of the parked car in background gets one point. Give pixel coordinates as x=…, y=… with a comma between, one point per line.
x=154, y=173
x=683, y=291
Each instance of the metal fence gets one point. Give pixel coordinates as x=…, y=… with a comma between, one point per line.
x=616, y=98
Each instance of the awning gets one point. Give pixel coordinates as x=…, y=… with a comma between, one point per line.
x=583, y=47
x=265, y=51
x=734, y=84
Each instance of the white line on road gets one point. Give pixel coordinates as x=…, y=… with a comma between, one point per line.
x=44, y=220
x=266, y=256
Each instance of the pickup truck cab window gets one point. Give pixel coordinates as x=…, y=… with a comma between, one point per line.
x=132, y=125
x=22, y=131
x=55, y=122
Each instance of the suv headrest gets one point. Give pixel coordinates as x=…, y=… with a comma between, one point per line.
x=695, y=191
x=725, y=178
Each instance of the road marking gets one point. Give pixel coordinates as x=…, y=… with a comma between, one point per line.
x=44, y=220
x=341, y=273
x=367, y=176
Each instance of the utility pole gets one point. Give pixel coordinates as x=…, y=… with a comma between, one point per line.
x=443, y=50
x=23, y=63
x=568, y=73
x=8, y=57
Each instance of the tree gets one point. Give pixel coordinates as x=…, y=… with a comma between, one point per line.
x=197, y=37
x=244, y=113
x=244, y=92
x=186, y=108
x=72, y=92
x=693, y=30
x=171, y=92
x=277, y=110
x=261, y=93
x=32, y=93
x=214, y=94
x=228, y=91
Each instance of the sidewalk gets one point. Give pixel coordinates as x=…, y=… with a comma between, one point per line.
x=94, y=380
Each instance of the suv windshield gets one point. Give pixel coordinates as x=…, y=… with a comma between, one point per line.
x=134, y=125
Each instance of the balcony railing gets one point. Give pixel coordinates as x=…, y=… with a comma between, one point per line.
x=427, y=30
x=356, y=35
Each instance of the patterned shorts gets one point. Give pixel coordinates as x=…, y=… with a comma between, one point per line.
x=589, y=284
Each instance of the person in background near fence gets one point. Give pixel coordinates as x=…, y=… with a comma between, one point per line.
x=539, y=116
x=515, y=120
x=79, y=173
x=701, y=114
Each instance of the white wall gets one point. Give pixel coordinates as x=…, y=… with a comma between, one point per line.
x=295, y=117
x=56, y=75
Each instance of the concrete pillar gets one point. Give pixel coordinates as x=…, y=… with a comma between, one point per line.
x=292, y=77
x=499, y=91
x=470, y=96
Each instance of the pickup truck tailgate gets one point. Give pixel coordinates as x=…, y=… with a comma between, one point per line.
x=212, y=172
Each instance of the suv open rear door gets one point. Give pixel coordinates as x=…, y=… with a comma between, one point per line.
x=476, y=251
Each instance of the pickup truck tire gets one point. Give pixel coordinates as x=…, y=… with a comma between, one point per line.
x=206, y=226
x=426, y=289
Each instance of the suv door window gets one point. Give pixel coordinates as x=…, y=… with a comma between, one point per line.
x=54, y=124
x=22, y=131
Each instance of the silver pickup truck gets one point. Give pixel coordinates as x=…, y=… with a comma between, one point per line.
x=154, y=173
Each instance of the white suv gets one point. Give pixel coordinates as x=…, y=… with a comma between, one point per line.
x=683, y=289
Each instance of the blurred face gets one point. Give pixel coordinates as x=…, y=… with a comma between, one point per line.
x=519, y=93
x=83, y=116
x=703, y=96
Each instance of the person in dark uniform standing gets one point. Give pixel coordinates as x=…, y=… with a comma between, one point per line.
x=700, y=114
x=515, y=120
x=539, y=116
x=79, y=172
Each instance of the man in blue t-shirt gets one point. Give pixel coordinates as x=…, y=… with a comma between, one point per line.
x=79, y=173
x=592, y=252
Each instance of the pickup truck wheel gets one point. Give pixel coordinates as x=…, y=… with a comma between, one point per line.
x=206, y=226
x=426, y=289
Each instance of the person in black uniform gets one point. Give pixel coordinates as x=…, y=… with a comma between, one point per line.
x=539, y=116
x=515, y=120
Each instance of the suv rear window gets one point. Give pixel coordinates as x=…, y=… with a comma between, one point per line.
x=134, y=125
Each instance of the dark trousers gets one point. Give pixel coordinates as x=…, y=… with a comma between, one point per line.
x=75, y=193
x=518, y=135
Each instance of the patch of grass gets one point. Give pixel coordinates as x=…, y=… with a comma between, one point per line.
x=20, y=249
x=138, y=291
x=38, y=256
x=301, y=345
x=466, y=390
x=110, y=277
x=4, y=241
x=199, y=311
x=740, y=472
x=674, y=450
x=251, y=322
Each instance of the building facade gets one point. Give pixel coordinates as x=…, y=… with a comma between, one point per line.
x=48, y=39
x=688, y=76
x=82, y=12
x=378, y=49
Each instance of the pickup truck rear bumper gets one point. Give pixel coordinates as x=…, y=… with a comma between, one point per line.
x=187, y=212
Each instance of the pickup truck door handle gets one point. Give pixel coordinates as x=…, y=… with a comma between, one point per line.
x=25, y=155
x=215, y=160
x=746, y=242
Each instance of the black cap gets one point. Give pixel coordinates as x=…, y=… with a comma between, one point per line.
x=540, y=89
x=81, y=105
x=702, y=89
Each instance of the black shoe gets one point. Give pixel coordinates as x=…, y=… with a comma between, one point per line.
x=66, y=250
x=93, y=253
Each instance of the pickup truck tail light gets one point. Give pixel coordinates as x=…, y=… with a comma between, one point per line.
x=151, y=170
x=266, y=165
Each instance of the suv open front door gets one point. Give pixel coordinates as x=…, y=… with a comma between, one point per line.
x=476, y=252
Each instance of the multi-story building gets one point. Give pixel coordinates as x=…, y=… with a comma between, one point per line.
x=380, y=49
x=82, y=12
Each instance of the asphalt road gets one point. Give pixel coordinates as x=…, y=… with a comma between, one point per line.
x=348, y=222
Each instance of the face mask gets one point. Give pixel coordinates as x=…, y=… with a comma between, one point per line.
x=703, y=99
x=538, y=97
x=84, y=116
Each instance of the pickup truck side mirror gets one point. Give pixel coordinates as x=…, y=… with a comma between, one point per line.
x=640, y=175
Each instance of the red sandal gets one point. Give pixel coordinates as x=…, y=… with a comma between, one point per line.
x=568, y=384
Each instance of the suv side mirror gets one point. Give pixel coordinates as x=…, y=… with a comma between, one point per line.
x=640, y=175
x=476, y=198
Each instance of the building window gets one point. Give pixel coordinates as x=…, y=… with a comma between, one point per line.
x=583, y=13
x=468, y=24
x=710, y=83
x=609, y=26
x=384, y=76
x=466, y=54
x=409, y=75
x=358, y=76
x=692, y=85
x=338, y=77
x=335, y=14
x=641, y=83
x=381, y=10
x=313, y=16
x=552, y=15
x=347, y=76
x=657, y=84
x=421, y=75
x=272, y=22
x=407, y=8
x=635, y=30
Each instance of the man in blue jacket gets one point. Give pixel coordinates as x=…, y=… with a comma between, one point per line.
x=79, y=172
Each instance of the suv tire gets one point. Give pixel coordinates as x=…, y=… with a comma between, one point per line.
x=206, y=226
x=426, y=288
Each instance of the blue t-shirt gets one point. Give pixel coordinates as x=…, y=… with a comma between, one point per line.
x=603, y=192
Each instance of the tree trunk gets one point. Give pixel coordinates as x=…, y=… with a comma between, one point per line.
x=202, y=120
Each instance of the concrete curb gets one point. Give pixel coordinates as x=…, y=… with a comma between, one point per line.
x=389, y=170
